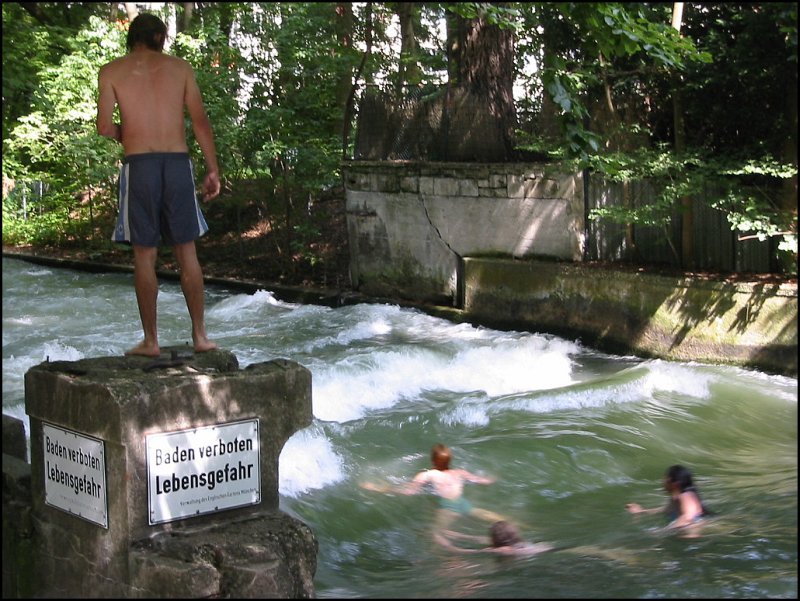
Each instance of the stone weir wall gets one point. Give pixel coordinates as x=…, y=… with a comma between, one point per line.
x=155, y=478
x=411, y=223
x=502, y=245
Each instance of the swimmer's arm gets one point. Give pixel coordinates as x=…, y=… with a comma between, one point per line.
x=461, y=535
x=384, y=488
x=636, y=508
x=678, y=522
x=399, y=489
x=522, y=550
x=691, y=508
x=445, y=542
x=416, y=484
x=411, y=488
x=475, y=478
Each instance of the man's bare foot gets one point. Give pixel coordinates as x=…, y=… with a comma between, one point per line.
x=201, y=346
x=145, y=349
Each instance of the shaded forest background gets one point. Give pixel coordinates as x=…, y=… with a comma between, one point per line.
x=694, y=96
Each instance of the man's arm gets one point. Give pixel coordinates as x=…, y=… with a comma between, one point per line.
x=106, y=102
x=690, y=508
x=442, y=539
x=204, y=136
x=471, y=537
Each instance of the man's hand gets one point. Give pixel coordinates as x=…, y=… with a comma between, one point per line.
x=211, y=186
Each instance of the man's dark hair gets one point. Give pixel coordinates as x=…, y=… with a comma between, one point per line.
x=149, y=30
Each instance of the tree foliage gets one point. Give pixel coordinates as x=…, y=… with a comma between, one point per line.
x=595, y=84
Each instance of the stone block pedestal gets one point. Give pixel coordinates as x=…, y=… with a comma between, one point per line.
x=159, y=477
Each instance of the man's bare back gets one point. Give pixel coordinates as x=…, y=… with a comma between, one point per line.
x=448, y=483
x=150, y=88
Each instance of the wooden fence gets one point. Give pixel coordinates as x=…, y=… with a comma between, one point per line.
x=716, y=246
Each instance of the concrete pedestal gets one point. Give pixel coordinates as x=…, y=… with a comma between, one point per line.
x=159, y=477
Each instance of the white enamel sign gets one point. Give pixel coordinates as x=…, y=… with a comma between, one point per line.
x=202, y=470
x=75, y=474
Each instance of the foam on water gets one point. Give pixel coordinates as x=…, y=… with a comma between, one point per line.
x=468, y=413
x=24, y=320
x=362, y=382
x=59, y=352
x=368, y=381
x=363, y=330
x=646, y=381
x=308, y=461
x=240, y=307
x=14, y=367
x=37, y=272
x=14, y=375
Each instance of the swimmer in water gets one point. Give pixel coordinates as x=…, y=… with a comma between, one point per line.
x=503, y=539
x=684, y=507
x=447, y=484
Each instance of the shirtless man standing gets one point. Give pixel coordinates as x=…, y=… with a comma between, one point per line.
x=157, y=200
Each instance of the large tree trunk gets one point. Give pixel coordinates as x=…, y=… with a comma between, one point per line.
x=547, y=123
x=455, y=25
x=409, y=72
x=789, y=194
x=186, y=20
x=348, y=107
x=787, y=200
x=344, y=75
x=482, y=115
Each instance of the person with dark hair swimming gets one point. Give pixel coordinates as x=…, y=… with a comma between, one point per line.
x=685, y=507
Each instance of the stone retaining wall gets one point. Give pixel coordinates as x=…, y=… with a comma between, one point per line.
x=677, y=318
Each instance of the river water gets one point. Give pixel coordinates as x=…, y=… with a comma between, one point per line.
x=570, y=434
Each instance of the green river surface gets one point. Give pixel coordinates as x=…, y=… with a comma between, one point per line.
x=570, y=434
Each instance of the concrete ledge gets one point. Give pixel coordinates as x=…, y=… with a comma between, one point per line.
x=14, y=441
x=675, y=318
